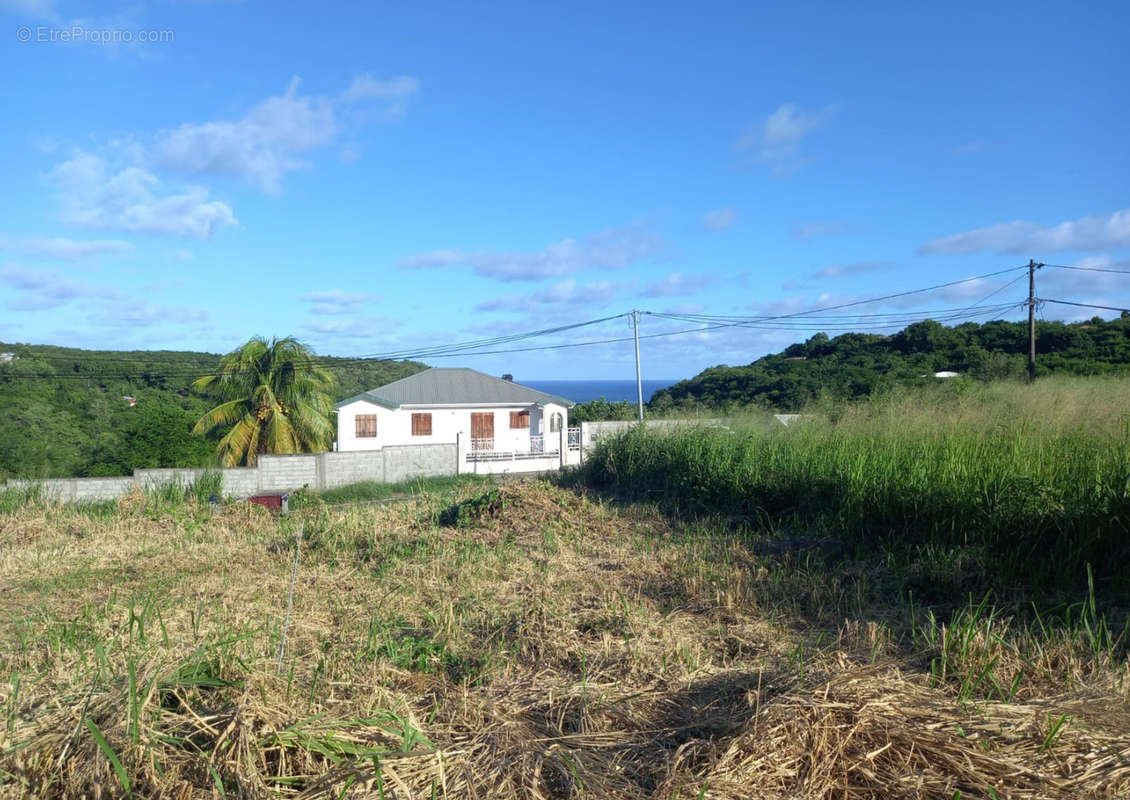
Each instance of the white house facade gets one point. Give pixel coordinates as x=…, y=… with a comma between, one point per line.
x=499, y=425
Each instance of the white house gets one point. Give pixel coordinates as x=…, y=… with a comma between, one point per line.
x=500, y=425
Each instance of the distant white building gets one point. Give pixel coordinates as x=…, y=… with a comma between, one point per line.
x=8, y=356
x=496, y=422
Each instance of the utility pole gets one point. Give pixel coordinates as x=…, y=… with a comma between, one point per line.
x=639, y=380
x=1032, y=267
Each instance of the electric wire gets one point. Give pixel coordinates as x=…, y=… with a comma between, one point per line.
x=1082, y=305
x=1090, y=269
x=799, y=320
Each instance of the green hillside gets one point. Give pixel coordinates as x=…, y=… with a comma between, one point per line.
x=66, y=412
x=858, y=364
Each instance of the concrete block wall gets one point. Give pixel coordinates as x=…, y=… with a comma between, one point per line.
x=241, y=481
x=342, y=469
x=152, y=478
x=280, y=473
x=81, y=490
x=403, y=462
x=273, y=474
x=592, y=432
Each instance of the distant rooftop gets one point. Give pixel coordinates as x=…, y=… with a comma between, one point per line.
x=451, y=386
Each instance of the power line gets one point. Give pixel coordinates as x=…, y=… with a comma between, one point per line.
x=437, y=351
x=798, y=320
x=855, y=303
x=338, y=361
x=791, y=324
x=1083, y=305
x=1090, y=269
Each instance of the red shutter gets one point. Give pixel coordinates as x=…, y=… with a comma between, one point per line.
x=366, y=426
x=421, y=424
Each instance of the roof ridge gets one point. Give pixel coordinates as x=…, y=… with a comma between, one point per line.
x=381, y=395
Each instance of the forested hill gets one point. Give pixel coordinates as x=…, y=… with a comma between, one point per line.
x=856, y=364
x=65, y=412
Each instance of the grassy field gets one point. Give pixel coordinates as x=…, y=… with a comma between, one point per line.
x=519, y=641
x=1000, y=485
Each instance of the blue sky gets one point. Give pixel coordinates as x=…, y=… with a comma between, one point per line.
x=390, y=177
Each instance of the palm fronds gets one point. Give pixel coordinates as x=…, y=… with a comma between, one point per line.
x=275, y=399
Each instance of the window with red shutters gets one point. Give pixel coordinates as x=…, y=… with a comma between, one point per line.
x=366, y=426
x=421, y=424
x=519, y=419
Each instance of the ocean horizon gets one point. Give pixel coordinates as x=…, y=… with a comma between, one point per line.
x=614, y=391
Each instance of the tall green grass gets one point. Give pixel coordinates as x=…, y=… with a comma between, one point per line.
x=376, y=490
x=1033, y=481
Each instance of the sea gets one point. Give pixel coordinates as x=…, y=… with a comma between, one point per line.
x=583, y=391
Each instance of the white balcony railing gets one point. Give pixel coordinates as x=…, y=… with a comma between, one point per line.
x=484, y=449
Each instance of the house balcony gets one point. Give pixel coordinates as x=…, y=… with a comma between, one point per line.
x=536, y=447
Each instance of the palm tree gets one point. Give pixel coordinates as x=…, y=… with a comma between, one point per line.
x=275, y=398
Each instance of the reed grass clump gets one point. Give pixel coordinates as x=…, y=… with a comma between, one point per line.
x=1033, y=482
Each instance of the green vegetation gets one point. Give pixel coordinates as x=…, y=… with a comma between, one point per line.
x=600, y=410
x=65, y=412
x=856, y=365
x=276, y=399
x=997, y=485
x=368, y=491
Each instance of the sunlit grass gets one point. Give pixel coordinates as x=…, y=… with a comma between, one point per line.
x=1031, y=482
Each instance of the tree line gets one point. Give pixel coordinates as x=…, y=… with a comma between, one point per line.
x=74, y=412
x=855, y=365
x=101, y=413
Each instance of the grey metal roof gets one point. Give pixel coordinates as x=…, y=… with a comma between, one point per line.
x=451, y=386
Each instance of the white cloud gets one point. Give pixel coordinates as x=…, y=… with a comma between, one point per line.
x=372, y=328
x=261, y=146
x=129, y=199
x=396, y=92
x=676, y=284
x=614, y=249
x=1102, y=288
x=269, y=141
x=139, y=314
x=855, y=268
x=1087, y=233
x=718, y=220
x=800, y=305
x=336, y=302
x=63, y=249
x=685, y=308
x=776, y=141
x=815, y=229
x=104, y=306
x=41, y=9
x=40, y=290
x=565, y=292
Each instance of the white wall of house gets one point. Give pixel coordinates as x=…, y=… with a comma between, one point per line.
x=394, y=426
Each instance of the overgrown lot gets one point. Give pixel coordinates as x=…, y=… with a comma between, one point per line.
x=523, y=641
x=1001, y=486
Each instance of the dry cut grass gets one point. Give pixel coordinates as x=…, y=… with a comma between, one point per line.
x=519, y=641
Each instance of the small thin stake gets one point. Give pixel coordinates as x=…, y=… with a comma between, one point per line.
x=290, y=597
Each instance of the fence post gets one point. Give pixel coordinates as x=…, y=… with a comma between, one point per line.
x=320, y=471
x=290, y=596
x=460, y=452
